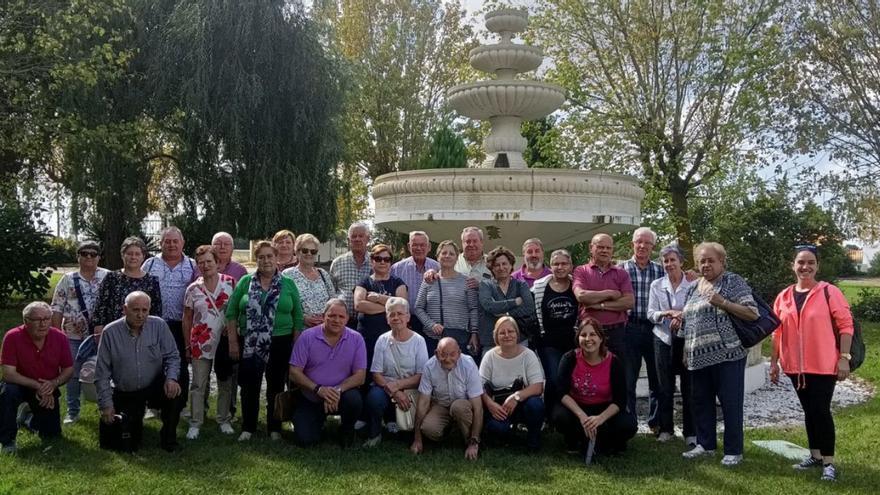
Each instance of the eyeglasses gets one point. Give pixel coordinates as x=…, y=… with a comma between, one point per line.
x=39, y=320
x=88, y=254
x=382, y=259
x=806, y=247
x=308, y=251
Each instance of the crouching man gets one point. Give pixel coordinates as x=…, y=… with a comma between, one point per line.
x=138, y=353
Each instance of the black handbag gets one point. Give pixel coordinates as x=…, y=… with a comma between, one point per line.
x=117, y=435
x=857, y=347
x=751, y=333
x=500, y=395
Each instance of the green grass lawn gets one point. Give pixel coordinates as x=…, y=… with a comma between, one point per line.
x=219, y=464
x=852, y=288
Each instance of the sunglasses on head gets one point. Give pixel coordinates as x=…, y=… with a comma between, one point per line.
x=382, y=259
x=806, y=247
x=308, y=251
x=88, y=254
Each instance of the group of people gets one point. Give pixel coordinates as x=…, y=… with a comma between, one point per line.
x=420, y=344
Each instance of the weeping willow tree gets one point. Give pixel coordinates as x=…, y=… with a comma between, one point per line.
x=255, y=99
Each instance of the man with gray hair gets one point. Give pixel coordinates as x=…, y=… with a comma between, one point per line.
x=472, y=260
x=138, y=354
x=639, y=329
x=350, y=268
x=36, y=361
x=533, y=266
x=224, y=246
x=412, y=270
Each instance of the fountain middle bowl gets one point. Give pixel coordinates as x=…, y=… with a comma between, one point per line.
x=528, y=100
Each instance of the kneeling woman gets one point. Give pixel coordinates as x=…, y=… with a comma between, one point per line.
x=592, y=382
x=514, y=381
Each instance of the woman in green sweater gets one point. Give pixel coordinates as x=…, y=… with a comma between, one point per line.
x=265, y=314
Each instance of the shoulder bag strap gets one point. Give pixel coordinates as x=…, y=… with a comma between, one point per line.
x=327, y=286
x=440, y=290
x=82, y=303
x=394, y=357
x=831, y=315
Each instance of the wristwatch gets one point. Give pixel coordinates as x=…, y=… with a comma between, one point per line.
x=517, y=397
x=473, y=441
x=602, y=305
x=846, y=356
x=315, y=390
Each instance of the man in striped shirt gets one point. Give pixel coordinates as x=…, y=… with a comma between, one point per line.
x=412, y=270
x=639, y=329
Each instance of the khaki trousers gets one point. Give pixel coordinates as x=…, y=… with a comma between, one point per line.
x=438, y=418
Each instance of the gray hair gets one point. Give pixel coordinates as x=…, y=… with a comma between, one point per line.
x=560, y=252
x=397, y=302
x=645, y=231
x=133, y=241
x=220, y=235
x=135, y=295
x=334, y=301
x=533, y=240
x=417, y=233
x=714, y=246
x=357, y=226
x=30, y=308
x=673, y=249
x=470, y=229
x=171, y=229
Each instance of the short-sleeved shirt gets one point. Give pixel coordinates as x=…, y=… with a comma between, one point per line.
x=20, y=351
x=65, y=301
x=559, y=311
x=501, y=372
x=409, y=356
x=114, y=288
x=408, y=271
x=173, y=282
x=346, y=274
x=444, y=387
x=314, y=294
x=378, y=322
x=325, y=365
x=209, y=314
x=591, y=277
x=523, y=274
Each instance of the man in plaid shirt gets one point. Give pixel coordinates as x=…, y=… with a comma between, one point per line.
x=350, y=268
x=639, y=329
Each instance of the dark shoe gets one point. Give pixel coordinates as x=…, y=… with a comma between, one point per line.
x=808, y=463
x=829, y=473
x=171, y=447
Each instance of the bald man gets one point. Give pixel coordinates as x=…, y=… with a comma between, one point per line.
x=604, y=292
x=138, y=353
x=450, y=389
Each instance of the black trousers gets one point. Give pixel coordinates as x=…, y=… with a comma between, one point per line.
x=612, y=435
x=176, y=328
x=815, y=396
x=133, y=405
x=250, y=379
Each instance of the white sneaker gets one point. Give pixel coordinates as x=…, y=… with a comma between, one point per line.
x=244, y=437
x=697, y=451
x=275, y=436
x=150, y=414
x=226, y=429
x=392, y=428
x=691, y=442
x=664, y=437
x=70, y=419
x=359, y=425
x=372, y=442
x=193, y=433
x=731, y=460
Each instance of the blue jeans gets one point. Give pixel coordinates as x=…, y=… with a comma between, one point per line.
x=668, y=361
x=73, y=386
x=530, y=412
x=47, y=422
x=725, y=381
x=378, y=406
x=550, y=357
x=640, y=345
x=309, y=417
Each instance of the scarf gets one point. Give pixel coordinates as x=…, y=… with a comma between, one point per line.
x=261, y=317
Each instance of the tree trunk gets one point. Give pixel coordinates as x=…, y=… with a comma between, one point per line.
x=679, y=193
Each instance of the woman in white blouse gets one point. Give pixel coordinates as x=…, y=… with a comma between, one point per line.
x=666, y=299
x=314, y=284
x=514, y=382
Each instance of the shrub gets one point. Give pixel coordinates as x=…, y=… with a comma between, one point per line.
x=61, y=251
x=868, y=307
x=24, y=251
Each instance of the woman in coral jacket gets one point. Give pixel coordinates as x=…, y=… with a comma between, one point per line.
x=805, y=347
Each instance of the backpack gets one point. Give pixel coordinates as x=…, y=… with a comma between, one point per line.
x=857, y=348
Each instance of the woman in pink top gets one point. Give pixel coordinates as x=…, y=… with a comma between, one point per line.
x=592, y=382
x=806, y=347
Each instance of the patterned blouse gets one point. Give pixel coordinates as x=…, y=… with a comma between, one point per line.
x=115, y=287
x=313, y=293
x=66, y=302
x=209, y=314
x=709, y=336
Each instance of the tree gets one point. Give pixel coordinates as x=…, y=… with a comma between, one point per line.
x=447, y=151
x=833, y=97
x=542, y=138
x=22, y=240
x=676, y=92
x=874, y=267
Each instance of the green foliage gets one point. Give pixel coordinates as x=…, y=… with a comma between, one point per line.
x=61, y=251
x=542, y=143
x=874, y=267
x=25, y=251
x=447, y=151
x=868, y=306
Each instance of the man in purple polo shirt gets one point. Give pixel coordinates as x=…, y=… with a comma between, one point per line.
x=605, y=292
x=328, y=364
x=533, y=267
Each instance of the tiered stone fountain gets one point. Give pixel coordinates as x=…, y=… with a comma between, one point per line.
x=504, y=197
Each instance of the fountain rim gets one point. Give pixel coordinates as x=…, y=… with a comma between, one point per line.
x=439, y=172
x=487, y=83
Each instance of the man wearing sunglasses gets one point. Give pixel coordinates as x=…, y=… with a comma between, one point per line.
x=73, y=305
